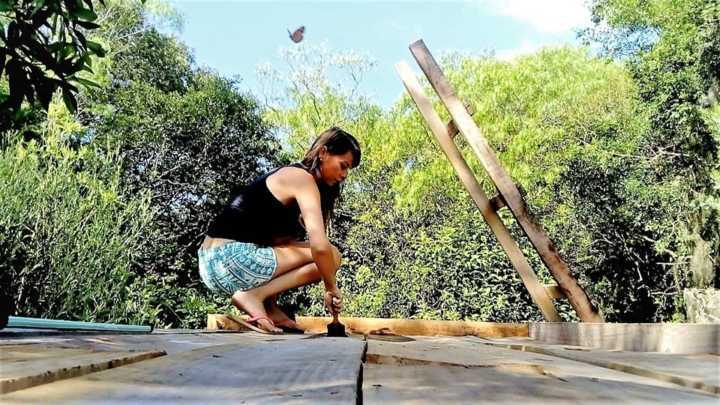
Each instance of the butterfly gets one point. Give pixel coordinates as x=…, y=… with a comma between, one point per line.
x=297, y=35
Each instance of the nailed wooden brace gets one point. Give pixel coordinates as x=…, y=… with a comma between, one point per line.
x=545, y=248
x=497, y=202
x=452, y=129
x=467, y=178
x=224, y=322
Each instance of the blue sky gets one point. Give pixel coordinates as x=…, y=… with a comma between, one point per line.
x=234, y=37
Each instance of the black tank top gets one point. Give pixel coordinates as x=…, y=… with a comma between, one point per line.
x=255, y=215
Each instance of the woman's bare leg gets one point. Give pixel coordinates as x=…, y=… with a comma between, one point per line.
x=284, y=278
x=251, y=301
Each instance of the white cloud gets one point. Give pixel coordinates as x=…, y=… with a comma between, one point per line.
x=526, y=47
x=545, y=15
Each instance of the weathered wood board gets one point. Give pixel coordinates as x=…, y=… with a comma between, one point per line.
x=638, y=337
x=698, y=371
x=24, y=366
x=299, y=370
x=458, y=370
x=387, y=384
x=417, y=327
x=170, y=341
x=239, y=366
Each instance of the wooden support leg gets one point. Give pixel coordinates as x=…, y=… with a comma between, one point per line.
x=539, y=239
x=536, y=290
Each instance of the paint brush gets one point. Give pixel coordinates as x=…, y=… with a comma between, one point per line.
x=335, y=328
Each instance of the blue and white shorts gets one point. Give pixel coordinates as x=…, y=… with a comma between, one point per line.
x=236, y=266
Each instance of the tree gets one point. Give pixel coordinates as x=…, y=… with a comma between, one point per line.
x=165, y=144
x=43, y=48
x=673, y=51
x=188, y=138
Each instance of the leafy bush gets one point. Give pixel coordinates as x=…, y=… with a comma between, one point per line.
x=67, y=235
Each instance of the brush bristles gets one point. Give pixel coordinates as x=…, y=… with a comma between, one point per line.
x=336, y=330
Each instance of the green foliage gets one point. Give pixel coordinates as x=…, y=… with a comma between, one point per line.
x=187, y=138
x=106, y=208
x=177, y=141
x=68, y=237
x=570, y=129
x=43, y=47
x=677, y=71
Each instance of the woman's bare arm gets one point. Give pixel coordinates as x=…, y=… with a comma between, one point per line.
x=305, y=191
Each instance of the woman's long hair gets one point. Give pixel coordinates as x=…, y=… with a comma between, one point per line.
x=337, y=142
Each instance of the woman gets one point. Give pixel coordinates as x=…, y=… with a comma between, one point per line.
x=253, y=249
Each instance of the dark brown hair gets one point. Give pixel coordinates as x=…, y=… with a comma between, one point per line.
x=337, y=142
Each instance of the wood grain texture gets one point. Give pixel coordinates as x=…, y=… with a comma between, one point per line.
x=297, y=371
x=451, y=128
x=637, y=337
x=554, y=291
x=31, y=365
x=224, y=322
x=696, y=371
x=541, y=242
x=460, y=370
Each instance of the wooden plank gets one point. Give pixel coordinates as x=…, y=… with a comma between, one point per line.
x=224, y=322
x=517, y=258
x=27, y=366
x=696, y=371
x=303, y=370
x=458, y=370
x=417, y=384
x=541, y=242
x=169, y=341
x=416, y=327
x=640, y=337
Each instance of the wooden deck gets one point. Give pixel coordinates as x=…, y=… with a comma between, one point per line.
x=180, y=366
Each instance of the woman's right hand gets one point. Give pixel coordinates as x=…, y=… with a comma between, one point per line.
x=333, y=300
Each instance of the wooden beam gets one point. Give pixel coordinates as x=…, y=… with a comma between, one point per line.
x=517, y=258
x=417, y=327
x=541, y=242
x=281, y=371
x=224, y=322
x=405, y=327
x=633, y=337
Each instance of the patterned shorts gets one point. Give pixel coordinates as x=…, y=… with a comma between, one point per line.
x=236, y=266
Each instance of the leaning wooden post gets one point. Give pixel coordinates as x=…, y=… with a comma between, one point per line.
x=439, y=129
x=509, y=192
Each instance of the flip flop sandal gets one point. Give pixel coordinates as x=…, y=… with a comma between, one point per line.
x=287, y=327
x=251, y=323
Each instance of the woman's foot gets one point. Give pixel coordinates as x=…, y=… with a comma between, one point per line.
x=279, y=317
x=252, y=305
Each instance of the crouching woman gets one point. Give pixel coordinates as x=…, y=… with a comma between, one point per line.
x=255, y=248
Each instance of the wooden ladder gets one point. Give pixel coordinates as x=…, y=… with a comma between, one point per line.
x=508, y=194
